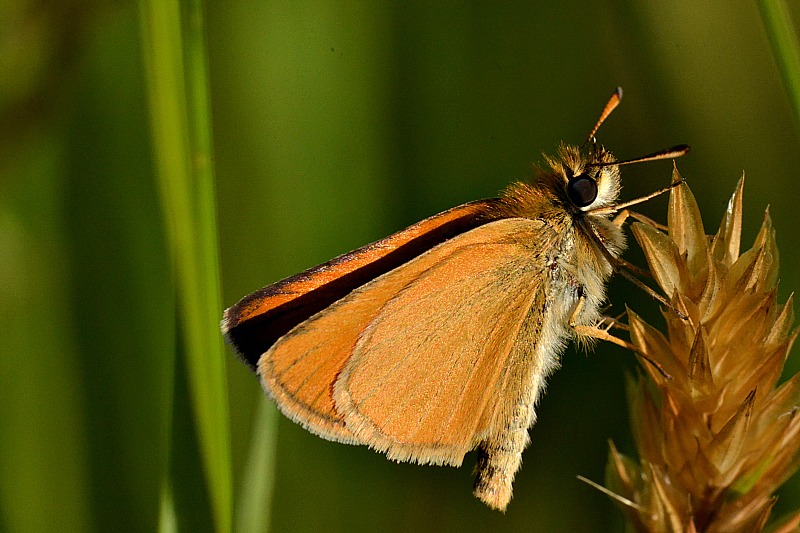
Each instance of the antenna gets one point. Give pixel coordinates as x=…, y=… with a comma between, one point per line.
x=667, y=153
x=612, y=104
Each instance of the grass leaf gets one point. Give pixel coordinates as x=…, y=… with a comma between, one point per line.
x=180, y=121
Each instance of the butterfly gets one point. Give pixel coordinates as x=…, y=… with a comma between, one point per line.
x=439, y=338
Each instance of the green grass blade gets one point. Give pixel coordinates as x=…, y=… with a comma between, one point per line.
x=178, y=98
x=168, y=522
x=785, y=47
x=255, y=500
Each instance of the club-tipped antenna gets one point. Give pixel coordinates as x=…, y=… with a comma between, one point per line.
x=612, y=104
x=667, y=153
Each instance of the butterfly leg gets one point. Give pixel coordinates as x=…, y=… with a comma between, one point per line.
x=603, y=335
x=625, y=270
x=594, y=332
x=609, y=322
x=623, y=216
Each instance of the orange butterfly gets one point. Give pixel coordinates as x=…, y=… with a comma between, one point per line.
x=438, y=339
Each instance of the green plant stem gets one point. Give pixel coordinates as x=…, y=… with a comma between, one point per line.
x=180, y=121
x=254, y=503
x=786, y=48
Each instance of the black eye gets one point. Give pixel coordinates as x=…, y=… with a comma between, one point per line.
x=582, y=190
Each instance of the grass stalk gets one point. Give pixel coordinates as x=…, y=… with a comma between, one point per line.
x=177, y=86
x=785, y=47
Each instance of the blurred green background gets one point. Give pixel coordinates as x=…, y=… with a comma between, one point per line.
x=334, y=124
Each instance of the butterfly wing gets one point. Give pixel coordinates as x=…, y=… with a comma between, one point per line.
x=447, y=357
x=254, y=324
x=480, y=283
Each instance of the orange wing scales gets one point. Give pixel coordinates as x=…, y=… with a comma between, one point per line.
x=416, y=389
x=315, y=353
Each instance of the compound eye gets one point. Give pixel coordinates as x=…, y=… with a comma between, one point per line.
x=582, y=190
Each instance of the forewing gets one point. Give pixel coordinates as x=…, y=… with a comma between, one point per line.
x=299, y=371
x=256, y=322
x=427, y=367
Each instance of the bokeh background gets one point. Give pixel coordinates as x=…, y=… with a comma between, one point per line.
x=335, y=124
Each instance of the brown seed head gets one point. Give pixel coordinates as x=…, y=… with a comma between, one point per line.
x=716, y=440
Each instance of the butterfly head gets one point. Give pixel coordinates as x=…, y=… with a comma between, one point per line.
x=586, y=178
x=583, y=178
